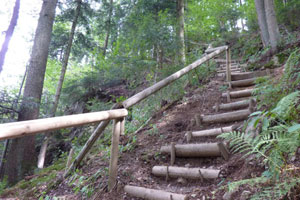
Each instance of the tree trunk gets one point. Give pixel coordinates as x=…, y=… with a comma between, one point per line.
x=9, y=33
x=262, y=22
x=272, y=24
x=21, y=155
x=180, y=19
x=242, y=20
x=42, y=154
x=108, y=28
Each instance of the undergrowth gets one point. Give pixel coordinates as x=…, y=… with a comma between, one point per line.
x=278, y=139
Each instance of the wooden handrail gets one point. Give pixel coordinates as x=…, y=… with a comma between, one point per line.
x=154, y=88
x=215, y=49
x=30, y=127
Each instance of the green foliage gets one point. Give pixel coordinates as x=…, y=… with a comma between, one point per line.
x=274, y=146
x=270, y=91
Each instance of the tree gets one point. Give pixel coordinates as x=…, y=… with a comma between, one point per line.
x=272, y=24
x=267, y=23
x=108, y=27
x=180, y=16
x=66, y=56
x=22, y=155
x=9, y=33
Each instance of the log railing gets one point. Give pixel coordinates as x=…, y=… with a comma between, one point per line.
x=32, y=127
x=24, y=128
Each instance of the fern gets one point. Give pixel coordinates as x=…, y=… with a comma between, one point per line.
x=277, y=191
x=286, y=107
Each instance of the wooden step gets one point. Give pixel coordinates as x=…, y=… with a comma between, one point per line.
x=208, y=133
x=223, y=117
x=238, y=94
x=152, y=194
x=234, y=70
x=247, y=75
x=197, y=150
x=184, y=172
x=242, y=83
x=232, y=106
x=224, y=61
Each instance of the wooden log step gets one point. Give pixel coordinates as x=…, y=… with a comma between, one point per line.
x=232, y=106
x=208, y=133
x=194, y=150
x=234, y=70
x=225, y=117
x=189, y=173
x=224, y=61
x=243, y=83
x=238, y=94
x=151, y=194
x=235, y=76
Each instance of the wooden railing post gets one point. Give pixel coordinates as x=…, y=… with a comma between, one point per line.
x=113, y=164
x=228, y=65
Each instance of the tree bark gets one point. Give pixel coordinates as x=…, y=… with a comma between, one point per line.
x=9, y=33
x=108, y=28
x=180, y=19
x=42, y=154
x=272, y=24
x=21, y=155
x=262, y=22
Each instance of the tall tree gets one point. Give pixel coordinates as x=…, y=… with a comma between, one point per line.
x=42, y=154
x=22, y=156
x=272, y=24
x=9, y=33
x=262, y=22
x=180, y=18
x=108, y=27
x=267, y=23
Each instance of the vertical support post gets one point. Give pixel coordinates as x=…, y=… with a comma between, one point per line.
x=228, y=65
x=122, y=124
x=114, y=151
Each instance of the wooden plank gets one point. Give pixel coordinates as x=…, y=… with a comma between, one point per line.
x=154, y=88
x=31, y=127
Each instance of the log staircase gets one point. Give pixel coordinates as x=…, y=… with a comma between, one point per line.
x=236, y=107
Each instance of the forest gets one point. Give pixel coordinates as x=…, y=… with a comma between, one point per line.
x=150, y=99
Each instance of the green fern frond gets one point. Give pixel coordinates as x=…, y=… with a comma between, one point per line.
x=253, y=181
x=286, y=106
x=277, y=191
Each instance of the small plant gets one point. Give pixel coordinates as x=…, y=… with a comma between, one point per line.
x=277, y=142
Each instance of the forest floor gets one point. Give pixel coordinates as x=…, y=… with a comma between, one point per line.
x=168, y=125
